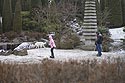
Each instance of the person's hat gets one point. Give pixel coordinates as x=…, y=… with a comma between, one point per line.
x=52, y=33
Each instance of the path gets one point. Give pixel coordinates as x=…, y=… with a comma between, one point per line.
x=37, y=55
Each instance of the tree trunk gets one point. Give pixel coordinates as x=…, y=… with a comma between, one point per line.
x=17, y=23
x=7, y=16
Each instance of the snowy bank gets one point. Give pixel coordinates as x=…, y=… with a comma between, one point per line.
x=117, y=33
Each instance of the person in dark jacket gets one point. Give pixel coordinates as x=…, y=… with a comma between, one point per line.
x=98, y=43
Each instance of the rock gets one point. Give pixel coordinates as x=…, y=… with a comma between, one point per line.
x=32, y=39
x=17, y=40
x=6, y=53
x=20, y=53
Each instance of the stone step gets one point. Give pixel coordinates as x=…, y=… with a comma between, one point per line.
x=90, y=37
x=90, y=24
x=87, y=17
x=90, y=11
x=90, y=20
x=89, y=30
x=89, y=34
x=90, y=2
x=92, y=8
x=90, y=14
x=90, y=5
x=82, y=38
x=91, y=27
x=90, y=42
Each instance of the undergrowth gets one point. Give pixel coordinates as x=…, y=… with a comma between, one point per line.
x=49, y=71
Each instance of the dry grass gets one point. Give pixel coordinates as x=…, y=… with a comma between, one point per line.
x=64, y=72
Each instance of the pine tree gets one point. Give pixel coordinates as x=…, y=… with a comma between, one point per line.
x=123, y=11
x=7, y=16
x=1, y=6
x=13, y=5
x=25, y=4
x=116, y=13
x=0, y=27
x=36, y=6
x=115, y=8
x=44, y=3
x=17, y=22
x=102, y=5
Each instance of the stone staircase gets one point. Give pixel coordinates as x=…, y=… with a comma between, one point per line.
x=89, y=27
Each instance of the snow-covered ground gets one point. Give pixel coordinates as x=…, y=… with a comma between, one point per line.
x=117, y=34
x=37, y=55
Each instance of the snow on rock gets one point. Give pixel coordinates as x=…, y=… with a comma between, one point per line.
x=25, y=45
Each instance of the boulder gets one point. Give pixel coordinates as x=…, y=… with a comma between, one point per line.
x=6, y=53
x=20, y=53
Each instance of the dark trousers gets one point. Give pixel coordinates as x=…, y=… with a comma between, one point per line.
x=99, y=49
x=52, y=53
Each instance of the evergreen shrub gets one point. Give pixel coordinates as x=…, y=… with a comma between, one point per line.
x=106, y=38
